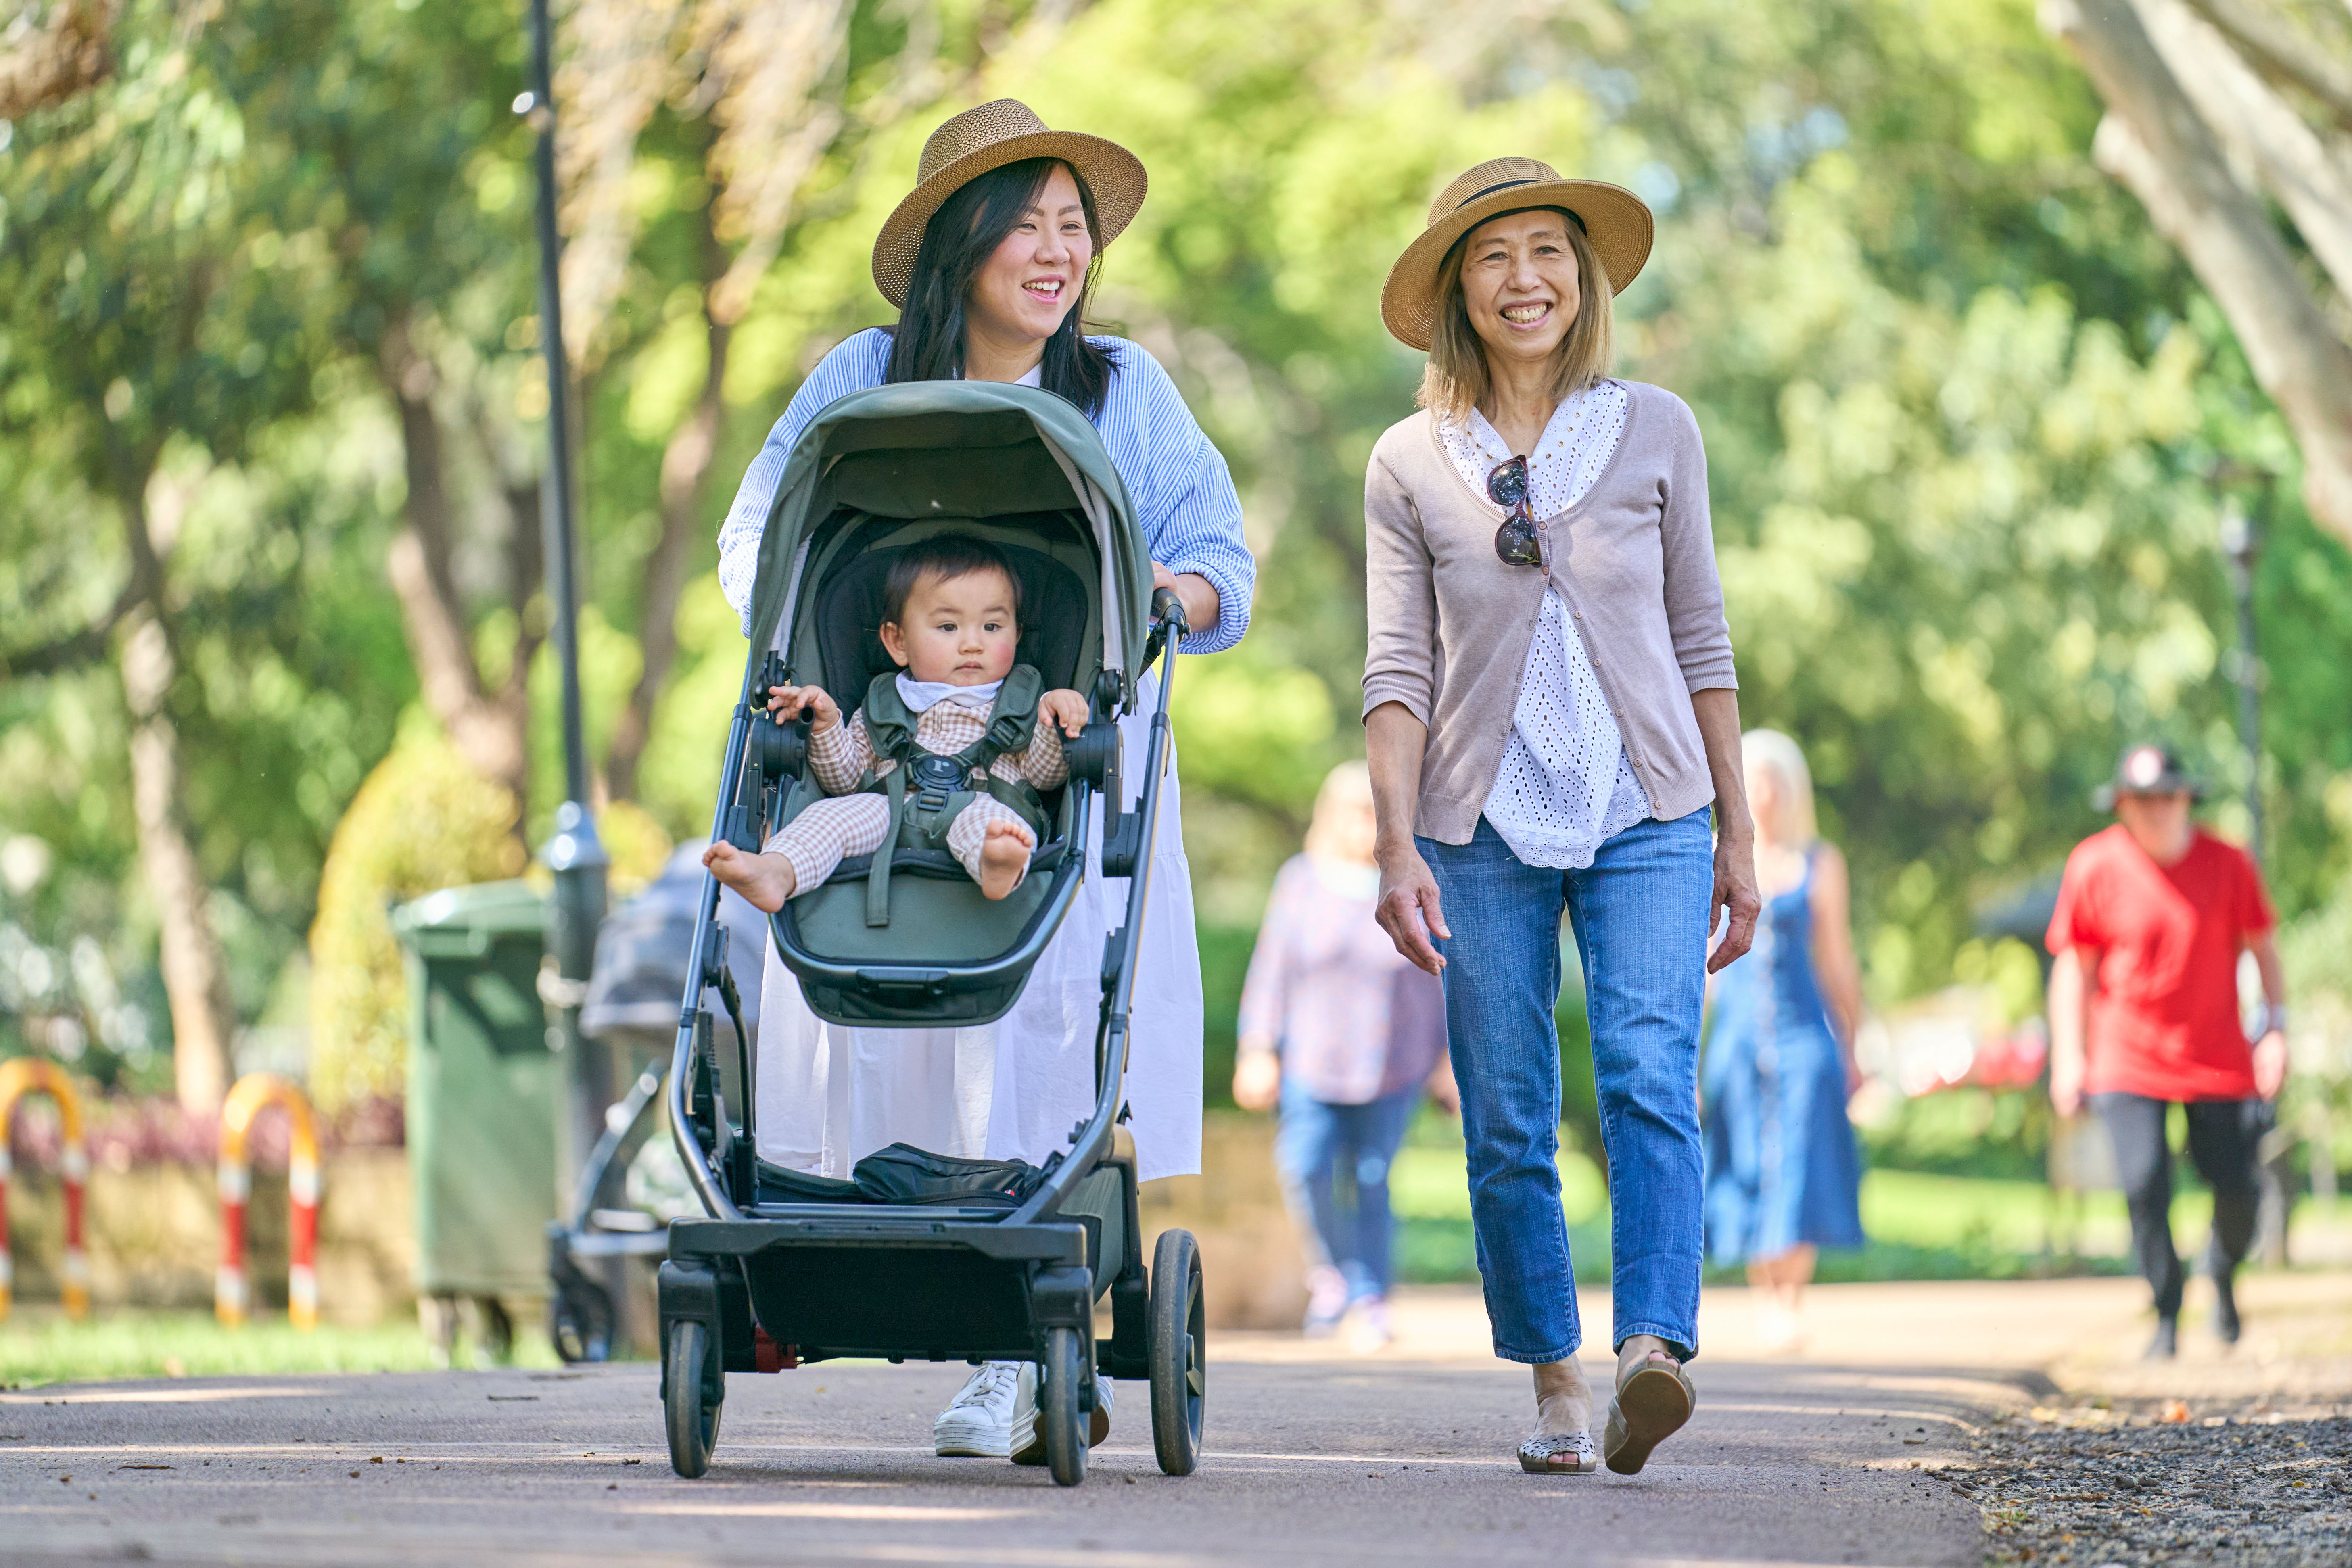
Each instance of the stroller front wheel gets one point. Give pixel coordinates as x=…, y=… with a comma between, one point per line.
x=692, y=1415
x=1058, y=1407
x=1177, y=1351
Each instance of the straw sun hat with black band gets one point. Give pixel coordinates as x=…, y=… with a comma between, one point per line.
x=989, y=137
x=1614, y=219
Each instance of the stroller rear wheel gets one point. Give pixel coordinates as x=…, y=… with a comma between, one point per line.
x=1177, y=1351
x=580, y=1320
x=1058, y=1407
x=691, y=1413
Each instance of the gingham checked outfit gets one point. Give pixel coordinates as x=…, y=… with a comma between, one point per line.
x=820, y=837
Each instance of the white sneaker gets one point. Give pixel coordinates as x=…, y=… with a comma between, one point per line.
x=978, y=1422
x=1028, y=1444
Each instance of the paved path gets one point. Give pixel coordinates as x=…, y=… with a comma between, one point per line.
x=1313, y=1457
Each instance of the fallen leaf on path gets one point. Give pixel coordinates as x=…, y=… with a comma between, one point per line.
x=2175, y=1411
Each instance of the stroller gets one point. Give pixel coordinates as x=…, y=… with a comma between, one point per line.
x=614, y=1239
x=991, y=1260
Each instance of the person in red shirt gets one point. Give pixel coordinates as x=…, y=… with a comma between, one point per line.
x=2152, y=915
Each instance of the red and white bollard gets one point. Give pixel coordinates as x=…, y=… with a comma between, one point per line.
x=21, y=1076
x=232, y=1291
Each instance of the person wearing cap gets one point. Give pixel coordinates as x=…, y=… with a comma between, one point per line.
x=991, y=260
x=2152, y=914
x=1550, y=712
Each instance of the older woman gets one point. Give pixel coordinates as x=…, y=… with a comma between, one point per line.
x=990, y=259
x=1550, y=711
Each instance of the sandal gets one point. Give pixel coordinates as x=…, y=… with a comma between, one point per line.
x=1653, y=1401
x=1536, y=1454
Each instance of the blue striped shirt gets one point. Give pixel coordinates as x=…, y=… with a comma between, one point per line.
x=1183, y=494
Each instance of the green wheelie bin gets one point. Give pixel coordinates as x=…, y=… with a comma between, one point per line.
x=482, y=1096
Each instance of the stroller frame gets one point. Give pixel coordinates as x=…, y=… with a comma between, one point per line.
x=764, y=1286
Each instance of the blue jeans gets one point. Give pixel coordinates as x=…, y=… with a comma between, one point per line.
x=1318, y=1144
x=1640, y=912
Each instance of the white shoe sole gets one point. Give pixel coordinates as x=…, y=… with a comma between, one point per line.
x=972, y=1443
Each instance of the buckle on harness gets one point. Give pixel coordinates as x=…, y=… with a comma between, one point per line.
x=935, y=778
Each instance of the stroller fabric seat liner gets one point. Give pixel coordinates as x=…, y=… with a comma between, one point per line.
x=1024, y=469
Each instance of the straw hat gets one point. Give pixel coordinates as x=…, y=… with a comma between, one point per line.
x=1614, y=218
x=989, y=137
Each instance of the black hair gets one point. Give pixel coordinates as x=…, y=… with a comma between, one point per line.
x=946, y=557
x=927, y=342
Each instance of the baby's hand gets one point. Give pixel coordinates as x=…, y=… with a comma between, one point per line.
x=786, y=702
x=1066, y=709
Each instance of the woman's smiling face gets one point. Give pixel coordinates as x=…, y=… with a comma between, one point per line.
x=1521, y=286
x=1032, y=281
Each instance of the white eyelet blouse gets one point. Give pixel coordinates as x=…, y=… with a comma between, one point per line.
x=1565, y=787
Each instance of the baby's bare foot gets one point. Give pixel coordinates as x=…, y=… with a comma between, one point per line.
x=1004, y=856
x=766, y=881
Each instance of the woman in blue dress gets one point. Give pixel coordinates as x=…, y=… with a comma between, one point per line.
x=1783, y=1176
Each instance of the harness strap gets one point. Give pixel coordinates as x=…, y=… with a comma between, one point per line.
x=878, y=874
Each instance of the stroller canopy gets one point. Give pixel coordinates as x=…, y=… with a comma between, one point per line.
x=892, y=463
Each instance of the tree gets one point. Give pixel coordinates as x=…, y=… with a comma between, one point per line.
x=134, y=359
x=2201, y=126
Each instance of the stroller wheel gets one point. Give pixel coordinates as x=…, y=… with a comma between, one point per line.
x=1058, y=1407
x=692, y=1414
x=1177, y=1351
x=580, y=1322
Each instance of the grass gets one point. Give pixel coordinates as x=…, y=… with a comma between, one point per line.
x=1921, y=1226
x=42, y=1345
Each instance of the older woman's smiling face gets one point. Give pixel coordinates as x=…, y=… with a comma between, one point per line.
x=1032, y=281
x=1520, y=285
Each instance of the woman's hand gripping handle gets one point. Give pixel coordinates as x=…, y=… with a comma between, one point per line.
x=1409, y=909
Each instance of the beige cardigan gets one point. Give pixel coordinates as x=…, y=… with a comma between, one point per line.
x=1449, y=623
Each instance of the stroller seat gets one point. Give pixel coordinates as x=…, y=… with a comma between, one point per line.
x=945, y=957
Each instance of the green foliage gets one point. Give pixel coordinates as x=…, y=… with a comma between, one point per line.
x=1961, y=405
x=423, y=820
x=1966, y=1132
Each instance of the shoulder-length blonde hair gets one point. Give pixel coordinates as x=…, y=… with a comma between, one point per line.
x=1794, y=822
x=1457, y=380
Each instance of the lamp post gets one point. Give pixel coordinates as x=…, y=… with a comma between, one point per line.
x=574, y=853
x=2240, y=542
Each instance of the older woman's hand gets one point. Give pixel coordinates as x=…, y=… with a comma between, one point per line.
x=1408, y=909
x=1735, y=893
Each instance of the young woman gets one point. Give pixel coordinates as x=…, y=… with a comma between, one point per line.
x=990, y=259
x=1550, y=711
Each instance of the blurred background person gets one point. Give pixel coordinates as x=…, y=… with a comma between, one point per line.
x=2152, y=915
x=1344, y=1034
x=1783, y=1173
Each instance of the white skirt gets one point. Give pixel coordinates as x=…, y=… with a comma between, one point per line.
x=1013, y=1090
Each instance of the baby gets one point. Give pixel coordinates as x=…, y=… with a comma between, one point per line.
x=951, y=611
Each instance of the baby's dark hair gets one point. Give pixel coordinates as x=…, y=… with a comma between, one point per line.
x=946, y=557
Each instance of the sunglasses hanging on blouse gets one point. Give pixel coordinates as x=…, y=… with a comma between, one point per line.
x=1515, y=543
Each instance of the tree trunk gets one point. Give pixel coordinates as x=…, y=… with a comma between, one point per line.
x=488, y=731
x=2153, y=142
x=2262, y=131
x=685, y=471
x=195, y=979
